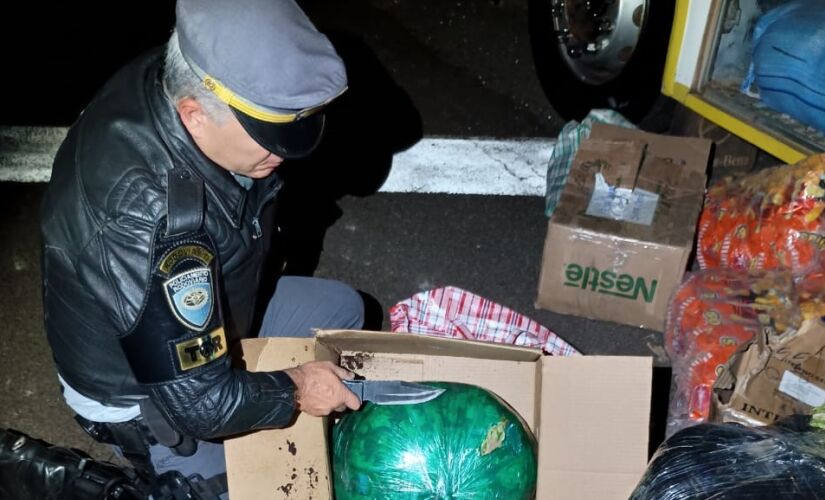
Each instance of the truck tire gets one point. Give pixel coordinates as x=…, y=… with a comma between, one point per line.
x=602, y=54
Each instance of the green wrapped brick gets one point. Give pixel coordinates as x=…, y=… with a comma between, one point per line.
x=464, y=444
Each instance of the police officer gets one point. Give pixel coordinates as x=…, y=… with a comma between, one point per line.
x=156, y=225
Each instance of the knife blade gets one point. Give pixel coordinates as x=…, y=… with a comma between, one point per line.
x=392, y=392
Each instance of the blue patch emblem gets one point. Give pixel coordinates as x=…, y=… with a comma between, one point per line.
x=190, y=296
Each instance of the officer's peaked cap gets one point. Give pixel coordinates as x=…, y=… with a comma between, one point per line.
x=266, y=60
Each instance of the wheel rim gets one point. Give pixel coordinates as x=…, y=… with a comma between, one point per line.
x=597, y=38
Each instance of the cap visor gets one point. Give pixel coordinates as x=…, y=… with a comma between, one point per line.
x=288, y=140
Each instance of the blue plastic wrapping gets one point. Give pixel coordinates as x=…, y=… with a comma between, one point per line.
x=788, y=65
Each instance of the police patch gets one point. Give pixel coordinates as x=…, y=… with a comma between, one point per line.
x=190, y=297
x=197, y=352
x=184, y=252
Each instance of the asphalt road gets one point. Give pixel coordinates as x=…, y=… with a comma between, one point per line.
x=459, y=68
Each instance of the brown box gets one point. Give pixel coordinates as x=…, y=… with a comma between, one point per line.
x=773, y=377
x=624, y=270
x=732, y=156
x=589, y=413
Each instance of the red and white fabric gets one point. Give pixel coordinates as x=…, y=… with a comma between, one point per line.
x=457, y=313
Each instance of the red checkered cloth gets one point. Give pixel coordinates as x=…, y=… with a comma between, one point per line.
x=457, y=313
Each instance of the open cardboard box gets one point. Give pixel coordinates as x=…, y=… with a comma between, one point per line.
x=590, y=413
x=617, y=247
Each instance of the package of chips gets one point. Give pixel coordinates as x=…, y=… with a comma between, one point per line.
x=770, y=220
x=714, y=313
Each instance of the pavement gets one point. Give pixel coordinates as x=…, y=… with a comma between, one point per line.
x=422, y=74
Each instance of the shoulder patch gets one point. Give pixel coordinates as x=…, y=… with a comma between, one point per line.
x=180, y=326
x=184, y=252
x=190, y=296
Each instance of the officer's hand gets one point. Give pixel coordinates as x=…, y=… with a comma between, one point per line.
x=319, y=389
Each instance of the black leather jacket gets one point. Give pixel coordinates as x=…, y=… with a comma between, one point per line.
x=105, y=206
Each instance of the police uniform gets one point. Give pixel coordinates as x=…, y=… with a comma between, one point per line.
x=153, y=255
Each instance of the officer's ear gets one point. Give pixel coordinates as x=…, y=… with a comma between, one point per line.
x=193, y=116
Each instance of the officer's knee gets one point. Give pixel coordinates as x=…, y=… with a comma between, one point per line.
x=350, y=310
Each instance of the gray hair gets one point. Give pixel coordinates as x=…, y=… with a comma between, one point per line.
x=180, y=81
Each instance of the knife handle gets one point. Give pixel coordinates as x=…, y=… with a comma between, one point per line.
x=356, y=386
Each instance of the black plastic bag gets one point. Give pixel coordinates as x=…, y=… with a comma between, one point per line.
x=731, y=461
x=33, y=469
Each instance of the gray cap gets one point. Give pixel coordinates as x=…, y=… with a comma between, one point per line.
x=266, y=60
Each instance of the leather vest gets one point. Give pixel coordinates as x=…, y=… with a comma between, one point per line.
x=107, y=196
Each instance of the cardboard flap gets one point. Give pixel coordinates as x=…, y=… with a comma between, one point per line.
x=594, y=425
x=600, y=167
x=671, y=182
x=265, y=354
x=806, y=342
x=408, y=343
x=279, y=463
x=617, y=161
x=774, y=377
x=691, y=153
x=752, y=355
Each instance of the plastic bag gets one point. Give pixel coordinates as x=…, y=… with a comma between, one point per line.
x=770, y=220
x=788, y=62
x=713, y=313
x=32, y=469
x=710, y=315
x=567, y=143
x=466, y=443
x=457, y=313
x=730, y=461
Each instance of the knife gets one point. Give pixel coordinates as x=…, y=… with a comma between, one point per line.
x=392, y=392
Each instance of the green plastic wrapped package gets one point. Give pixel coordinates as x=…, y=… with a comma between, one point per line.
x=464, y=444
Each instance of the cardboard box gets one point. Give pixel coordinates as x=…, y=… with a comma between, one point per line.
x=619, y=240
x=590, y=414
x=732, y=156
x=773, y=377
